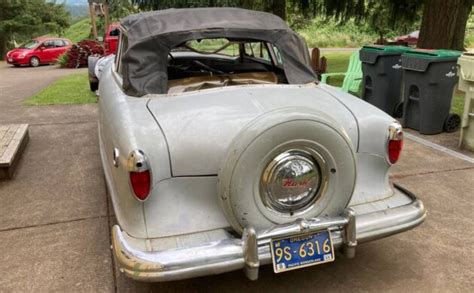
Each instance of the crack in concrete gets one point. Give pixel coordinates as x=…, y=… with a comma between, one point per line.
x=430, y=172
x=53, y=223
x=61, y=123
x=439, y=148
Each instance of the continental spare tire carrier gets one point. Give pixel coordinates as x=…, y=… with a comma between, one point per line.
x=285, y=165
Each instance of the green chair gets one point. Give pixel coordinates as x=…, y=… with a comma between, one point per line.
x=353, y=76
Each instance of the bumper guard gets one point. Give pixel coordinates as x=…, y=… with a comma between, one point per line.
x=253, y=249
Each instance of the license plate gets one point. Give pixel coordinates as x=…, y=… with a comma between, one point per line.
x=10, y=59
x=301, y=251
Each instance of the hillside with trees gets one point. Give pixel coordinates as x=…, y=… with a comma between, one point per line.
x=333, y=23
x=23, y=19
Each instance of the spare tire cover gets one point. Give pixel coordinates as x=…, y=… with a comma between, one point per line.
x=257, y=145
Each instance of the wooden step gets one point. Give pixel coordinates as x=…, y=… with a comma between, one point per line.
x=13, y=139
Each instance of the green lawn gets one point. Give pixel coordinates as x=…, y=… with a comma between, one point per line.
x=71, y=89
x=338, y=61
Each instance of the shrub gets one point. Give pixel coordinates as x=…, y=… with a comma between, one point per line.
x=62, y=59
x=78, y=54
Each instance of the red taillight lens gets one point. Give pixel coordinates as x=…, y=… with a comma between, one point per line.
x=394, y=150
x=140, y=182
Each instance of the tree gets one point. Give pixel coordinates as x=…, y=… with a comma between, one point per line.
x=120, y=8
x=277, y=7
x=444, y=24
x=443, y=21
x=24, y=19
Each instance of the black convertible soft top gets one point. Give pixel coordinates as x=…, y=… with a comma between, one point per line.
x=152, y=35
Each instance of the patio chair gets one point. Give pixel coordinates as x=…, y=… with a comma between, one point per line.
x=353, y=76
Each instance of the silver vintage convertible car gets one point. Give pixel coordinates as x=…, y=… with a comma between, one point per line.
x=222, y=151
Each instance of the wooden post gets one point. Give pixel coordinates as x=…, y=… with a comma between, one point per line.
x=93, y=23
x=106, y=15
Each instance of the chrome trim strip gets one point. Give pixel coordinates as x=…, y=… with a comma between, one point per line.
x=253, y=249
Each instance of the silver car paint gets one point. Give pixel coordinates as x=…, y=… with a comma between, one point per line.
x=182, y=135
x=210, y=119
x=125, y=124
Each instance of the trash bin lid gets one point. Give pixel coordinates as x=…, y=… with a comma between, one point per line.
x=466, y=63
x=435, y=54
x=369, y=53
x=381, y=49
x=420, y=59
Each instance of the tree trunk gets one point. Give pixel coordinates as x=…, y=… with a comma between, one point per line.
x=461, y=23
x=3, y=44
x=305, y=7
x=442, y=24
x=247, y=4
x=279, y=8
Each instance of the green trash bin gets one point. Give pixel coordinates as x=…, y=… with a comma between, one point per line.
x=466, y=84
x=429, y=78
x=382, y=77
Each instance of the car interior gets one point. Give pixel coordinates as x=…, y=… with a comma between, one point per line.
x=210, y=63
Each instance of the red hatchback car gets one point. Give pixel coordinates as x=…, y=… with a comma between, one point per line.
x=38, y=51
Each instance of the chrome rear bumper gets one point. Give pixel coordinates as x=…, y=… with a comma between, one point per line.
x=253, y=249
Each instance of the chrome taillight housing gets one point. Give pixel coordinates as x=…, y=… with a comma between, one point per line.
x=394, y=143
x=140, y=174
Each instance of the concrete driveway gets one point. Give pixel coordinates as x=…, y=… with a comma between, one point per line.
x=55, y=218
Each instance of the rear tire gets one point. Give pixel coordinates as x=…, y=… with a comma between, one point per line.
x=94, y=85
x=452, y=123
x=34, y=62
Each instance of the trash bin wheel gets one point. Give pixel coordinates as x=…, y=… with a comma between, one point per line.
x=398, y=112
x=452, y=122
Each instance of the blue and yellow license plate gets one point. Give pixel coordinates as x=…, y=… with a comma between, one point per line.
x=301, y=251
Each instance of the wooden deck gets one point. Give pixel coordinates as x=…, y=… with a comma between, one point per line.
x=13, y=139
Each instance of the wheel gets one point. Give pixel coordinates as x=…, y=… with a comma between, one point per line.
x=452, y=123
x=398, y=112
x=257, y=182
x=34, y=62
x=94, y=85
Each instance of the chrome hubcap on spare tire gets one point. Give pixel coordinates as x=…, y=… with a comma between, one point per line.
x=292, y=181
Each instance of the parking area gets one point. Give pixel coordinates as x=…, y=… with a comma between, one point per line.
x=55, y=218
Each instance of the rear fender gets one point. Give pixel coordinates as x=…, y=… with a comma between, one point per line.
x=125, y=125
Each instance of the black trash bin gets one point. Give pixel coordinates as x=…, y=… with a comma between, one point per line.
x=382, y=77
x=429, y=80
